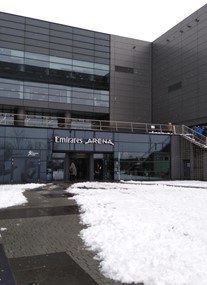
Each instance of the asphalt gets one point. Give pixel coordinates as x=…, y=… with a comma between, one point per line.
x=41, y=243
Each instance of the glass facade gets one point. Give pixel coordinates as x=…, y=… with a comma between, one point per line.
x=29, y=90
x=51, y=63
x=34, y=154
x=54, y=82
x=142, y=157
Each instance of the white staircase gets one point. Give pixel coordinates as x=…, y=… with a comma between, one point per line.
x=191, y=135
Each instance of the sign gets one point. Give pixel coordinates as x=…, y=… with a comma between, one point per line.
x=32, y=153
x=69, y=140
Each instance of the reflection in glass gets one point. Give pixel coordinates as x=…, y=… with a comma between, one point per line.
x=152, y=164
x=54, y=93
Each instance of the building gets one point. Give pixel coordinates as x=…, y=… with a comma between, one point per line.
x=102, y=101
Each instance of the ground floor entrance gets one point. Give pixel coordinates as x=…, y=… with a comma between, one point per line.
x=30, y=155
x=89, y=166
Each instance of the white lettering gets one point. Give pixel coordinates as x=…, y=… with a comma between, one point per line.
x=80, y=140
x=68, y=140
x=88, y=141
x=99, y=141
x=32, y=153
x=57, y=139
x=110, y=142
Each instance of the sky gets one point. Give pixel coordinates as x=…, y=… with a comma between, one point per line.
x=138, y=19
x=150, y=232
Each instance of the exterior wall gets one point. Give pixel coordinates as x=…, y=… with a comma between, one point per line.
x=49, y=67
x=36, y=154
x=176, y=163
x=205, y=166
x=180, y=72
x=62, y=72
x=130, y=80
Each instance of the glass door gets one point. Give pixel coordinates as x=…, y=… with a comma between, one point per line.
x=103, y=166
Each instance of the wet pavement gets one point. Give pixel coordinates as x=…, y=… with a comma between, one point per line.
x=6, y=275
x=42, y=243
x=38, y=212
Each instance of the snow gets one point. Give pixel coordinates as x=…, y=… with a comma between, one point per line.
x=12, y=195
x=150, y=232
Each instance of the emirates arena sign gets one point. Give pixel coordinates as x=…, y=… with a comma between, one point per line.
x=69, y=140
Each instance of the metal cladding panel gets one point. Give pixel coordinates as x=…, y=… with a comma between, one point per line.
x=179, y=58
x=130, y=80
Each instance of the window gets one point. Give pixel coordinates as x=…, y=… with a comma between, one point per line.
x=175, y=87
x=124, y=69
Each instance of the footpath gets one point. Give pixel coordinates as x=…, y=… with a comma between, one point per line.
x=41, y=242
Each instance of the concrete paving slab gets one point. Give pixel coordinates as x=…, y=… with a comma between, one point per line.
x=6, y=275
x=53, y=269
x=40, y=235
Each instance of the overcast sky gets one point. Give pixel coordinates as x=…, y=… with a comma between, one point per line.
x=139, y=19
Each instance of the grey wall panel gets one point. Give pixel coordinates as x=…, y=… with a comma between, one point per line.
x=10, y=45
x=60, y=53
x=59, y=106
x=36, y=29
x=130, y=93
x=10, y=102
x=176, y=171
x=9, y=38
x=37, y=104
x=57, y=46
x=9, y=24
x=65, y=42
x=61, y=34
x=102, y=55
x=12, y=18
x=180, y=55
x=83, y=32
x=36, y=36
x=37, y=43
x=205, y=166
x=37, y=49
x=37, y=23
x=62, y=28
x=102, y=36
x=11, y=32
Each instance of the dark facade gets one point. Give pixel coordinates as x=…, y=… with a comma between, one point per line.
x=53, y=69
x=180, y=72
x=63, y=89
x=41, y=154
x=130, y=80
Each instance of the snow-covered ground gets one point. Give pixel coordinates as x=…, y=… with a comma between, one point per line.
x=11, y=195
x=150, y=232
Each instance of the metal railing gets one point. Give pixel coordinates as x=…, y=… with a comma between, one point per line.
x=191, y=135
x=82, y=124
x=101, y=125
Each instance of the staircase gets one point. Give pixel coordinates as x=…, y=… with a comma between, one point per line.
x=191, y=135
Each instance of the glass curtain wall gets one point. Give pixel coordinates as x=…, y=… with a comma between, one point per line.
x=146, y=159
x=28, y=90
x=53, y=63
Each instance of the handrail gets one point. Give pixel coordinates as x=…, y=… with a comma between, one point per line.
x=191, y=135
x=83, y=124
x=101, y=125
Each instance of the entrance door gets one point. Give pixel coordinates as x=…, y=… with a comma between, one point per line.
x=82, y=163
x=103, y=166
x=186, y=169
x=97, y=166
x=55, y=167
x=98, y=169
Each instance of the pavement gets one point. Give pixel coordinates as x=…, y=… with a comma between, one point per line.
x=41, y=242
